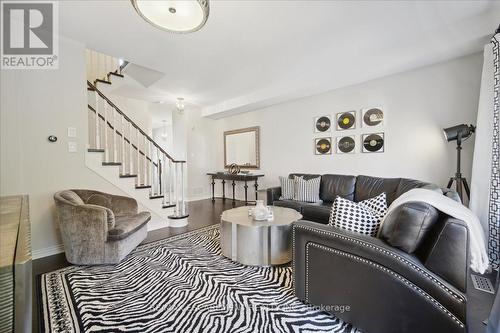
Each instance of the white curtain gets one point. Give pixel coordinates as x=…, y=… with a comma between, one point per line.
x=485, y=183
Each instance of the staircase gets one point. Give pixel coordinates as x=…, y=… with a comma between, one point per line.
x=122, y=153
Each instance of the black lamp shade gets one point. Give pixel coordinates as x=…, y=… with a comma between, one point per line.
x=463, y=131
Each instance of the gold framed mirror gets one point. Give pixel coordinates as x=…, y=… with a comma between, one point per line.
x=242, y=147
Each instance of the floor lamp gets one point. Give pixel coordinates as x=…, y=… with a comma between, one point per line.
x=459, y=133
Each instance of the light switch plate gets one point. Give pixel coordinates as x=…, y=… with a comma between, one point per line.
x=72, y=147
x=71, y=132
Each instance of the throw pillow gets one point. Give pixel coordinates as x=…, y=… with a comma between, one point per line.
x=407, y=226
x=72, y=197
x=110, y=218
x=363, y=217
x=377, y=205
x=287, y=188
x=307, y=190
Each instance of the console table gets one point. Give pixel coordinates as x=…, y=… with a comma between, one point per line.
x=233, y=179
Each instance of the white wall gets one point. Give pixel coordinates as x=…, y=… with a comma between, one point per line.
x=194, y=142
x=135, y=109
x=34, y=105
x=162, y=123
x=419, y=104
x=166, y=143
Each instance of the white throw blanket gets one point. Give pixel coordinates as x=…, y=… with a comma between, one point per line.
x=477, y=244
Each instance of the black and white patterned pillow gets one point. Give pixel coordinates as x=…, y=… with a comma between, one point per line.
x=307, y=190
x=363, y=217
x=287, y=188
x=378, y=205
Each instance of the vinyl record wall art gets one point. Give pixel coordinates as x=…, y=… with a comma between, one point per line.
x=322, y=124
x=373, y=143
x=346, y=120
x=323, y=146
x=346, y=144
x=373, y=117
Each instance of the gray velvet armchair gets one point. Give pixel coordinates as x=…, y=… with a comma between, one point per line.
x=99, y=228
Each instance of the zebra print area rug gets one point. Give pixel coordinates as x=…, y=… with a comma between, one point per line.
x=180, y=284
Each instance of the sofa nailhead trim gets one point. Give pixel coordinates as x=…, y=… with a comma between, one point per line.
x=381, y=268
x=392, y=254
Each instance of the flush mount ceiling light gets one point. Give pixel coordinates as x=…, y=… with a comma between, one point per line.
x=181, y=16
x=180, y=104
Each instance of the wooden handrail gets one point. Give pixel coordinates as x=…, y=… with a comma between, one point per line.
x=93, y=87
x=124, y=138
x=122, y=67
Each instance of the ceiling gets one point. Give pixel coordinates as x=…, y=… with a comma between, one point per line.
x=253, y=54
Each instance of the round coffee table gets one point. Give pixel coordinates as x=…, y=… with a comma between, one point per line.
x=257, y=243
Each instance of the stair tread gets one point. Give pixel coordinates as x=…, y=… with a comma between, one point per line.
x=178, y=217
x=142, y=186
x=127, y=175
x=95, y=150
x=102, y=81
x=156, y=196
x=168, y=206
x=115, y=74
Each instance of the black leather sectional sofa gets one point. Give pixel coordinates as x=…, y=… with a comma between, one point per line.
x=350, y=187
x=413, y=278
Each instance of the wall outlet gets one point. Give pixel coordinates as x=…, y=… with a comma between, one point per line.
x=72, y=147
x=71, y=132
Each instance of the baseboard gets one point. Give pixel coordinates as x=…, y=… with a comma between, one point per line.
x=47, y=251
x=196, y=198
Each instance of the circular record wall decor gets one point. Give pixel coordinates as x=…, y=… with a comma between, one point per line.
x=346, y=144
x=373, y=117
x=323, y=146
x=346, y=120
x=322, y=124
x=373, y=143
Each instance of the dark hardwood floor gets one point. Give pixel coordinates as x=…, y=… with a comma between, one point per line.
x=205, y=212
x=201, y=213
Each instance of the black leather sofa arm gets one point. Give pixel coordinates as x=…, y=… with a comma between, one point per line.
x=386, y=289
x=273, y=194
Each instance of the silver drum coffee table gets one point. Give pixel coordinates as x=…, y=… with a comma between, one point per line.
x=257, y=243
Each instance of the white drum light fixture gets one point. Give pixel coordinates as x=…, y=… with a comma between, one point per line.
x=181, y=16
x=180, y=104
